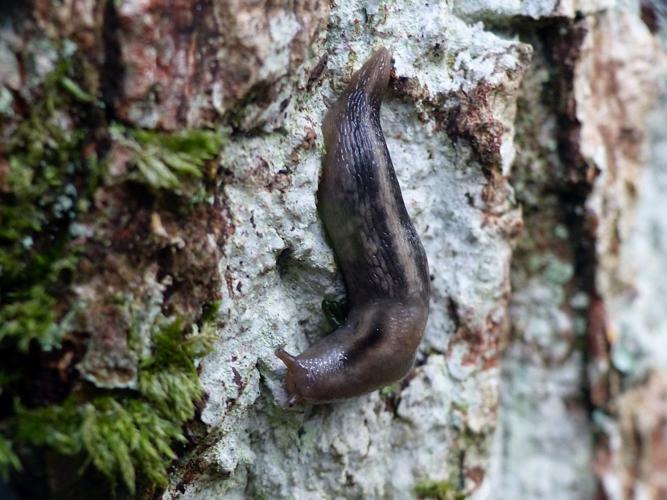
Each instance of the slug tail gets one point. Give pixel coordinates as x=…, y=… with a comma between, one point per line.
x=370, y=80
x=373, y=77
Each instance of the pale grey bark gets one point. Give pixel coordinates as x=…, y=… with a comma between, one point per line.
x=505, y=400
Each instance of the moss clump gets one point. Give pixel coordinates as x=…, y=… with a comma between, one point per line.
x=125, y=436
x=8, y=459
x=124, y=433
x=168, y=160
x=47, y=185
x=120, y=436
x=440, y=490
x=168, y=379
x=29, y=315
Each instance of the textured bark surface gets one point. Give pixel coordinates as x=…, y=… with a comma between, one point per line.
x=529, y=140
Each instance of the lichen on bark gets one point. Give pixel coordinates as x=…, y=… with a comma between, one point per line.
x=160, y=158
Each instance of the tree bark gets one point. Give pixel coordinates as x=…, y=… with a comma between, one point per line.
x=183, y=140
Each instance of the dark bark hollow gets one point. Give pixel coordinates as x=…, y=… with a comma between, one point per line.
x=377, y=249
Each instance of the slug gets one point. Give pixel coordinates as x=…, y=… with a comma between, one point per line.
x=376, y=247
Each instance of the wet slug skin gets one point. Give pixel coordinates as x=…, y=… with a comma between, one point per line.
x=376, y=247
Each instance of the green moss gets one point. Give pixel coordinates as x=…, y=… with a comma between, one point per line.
x=52, y=426
x=47, y=182
x=169, y=160
x=440, y=490
x=8, y=459
x=119, y=436
x=123, y=437
x=126, y=434
x=390, y=391
x=462, y=407
x=168, y=379
x=77, y=92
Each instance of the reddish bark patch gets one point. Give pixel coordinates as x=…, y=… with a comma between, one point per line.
x=4, y=175
x=187, y=62
x=639, y=460
x=476, y=474
x=108, y=358
x=472, y=119
x=264, y=177
x=308, y=142
x=599, y=351
x=481, y=340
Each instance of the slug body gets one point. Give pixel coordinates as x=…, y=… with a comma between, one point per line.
x=377, y=248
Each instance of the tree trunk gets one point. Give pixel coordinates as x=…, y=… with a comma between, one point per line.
x=160, y=238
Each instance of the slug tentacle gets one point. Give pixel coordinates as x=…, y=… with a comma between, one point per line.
x=376, y=247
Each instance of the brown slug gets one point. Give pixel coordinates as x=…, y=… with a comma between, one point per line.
x=376, y=247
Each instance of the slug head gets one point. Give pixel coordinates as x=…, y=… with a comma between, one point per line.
x=293, y=372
